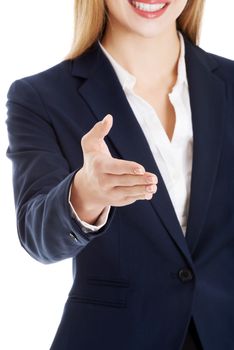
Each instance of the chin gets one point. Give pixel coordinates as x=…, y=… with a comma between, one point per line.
x=149, y=33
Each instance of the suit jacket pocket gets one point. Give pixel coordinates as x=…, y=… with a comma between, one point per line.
x=98, y=290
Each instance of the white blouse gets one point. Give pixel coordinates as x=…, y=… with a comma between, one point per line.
x=173, y=158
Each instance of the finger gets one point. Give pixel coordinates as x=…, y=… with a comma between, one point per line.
x=138, y=190
x=120, y=193
x=131, y=199
x=119, y=166
x=95, y=136
x=111, y=180
x=101, y=129
x=97, y=133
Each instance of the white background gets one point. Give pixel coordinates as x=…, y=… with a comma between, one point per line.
x=34, y=36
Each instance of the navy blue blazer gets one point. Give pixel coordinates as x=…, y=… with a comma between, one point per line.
x=137, y=281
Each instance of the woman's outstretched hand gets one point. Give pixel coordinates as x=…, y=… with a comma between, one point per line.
x=104, y=180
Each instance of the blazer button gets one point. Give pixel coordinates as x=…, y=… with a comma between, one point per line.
x=185, y=275
x=73, y=237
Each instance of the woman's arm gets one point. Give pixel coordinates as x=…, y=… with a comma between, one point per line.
x=42, y=179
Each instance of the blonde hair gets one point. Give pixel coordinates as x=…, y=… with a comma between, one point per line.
x=90, y=19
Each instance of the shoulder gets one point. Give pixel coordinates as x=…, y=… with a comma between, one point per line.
x=51, y=86
x=220, y=65
x=63, y=77
x=224, y=66
x=56, y=75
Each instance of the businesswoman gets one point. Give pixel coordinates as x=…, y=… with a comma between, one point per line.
x=123, y=160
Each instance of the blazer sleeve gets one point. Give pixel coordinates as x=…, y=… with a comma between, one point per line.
x=41, y=180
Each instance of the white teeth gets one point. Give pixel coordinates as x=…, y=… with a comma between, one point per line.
x=148, y=7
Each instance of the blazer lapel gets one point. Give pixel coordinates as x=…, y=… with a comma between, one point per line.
x=207, y=100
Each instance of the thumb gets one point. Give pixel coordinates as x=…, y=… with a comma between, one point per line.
x=97, y=133
x=102, y=128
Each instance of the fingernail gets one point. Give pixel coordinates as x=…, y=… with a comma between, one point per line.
x=103, y=120
x=150, y=179
x=148, y=196
x=150, y=188
x=139, y=171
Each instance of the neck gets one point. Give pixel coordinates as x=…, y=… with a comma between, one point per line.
x=148, y=59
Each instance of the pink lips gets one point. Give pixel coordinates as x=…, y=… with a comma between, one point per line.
x=152, y=1
x=148, y=14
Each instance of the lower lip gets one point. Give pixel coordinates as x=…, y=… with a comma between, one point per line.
x=147, y=14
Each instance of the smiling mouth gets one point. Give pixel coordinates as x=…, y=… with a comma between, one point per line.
x=148, y=7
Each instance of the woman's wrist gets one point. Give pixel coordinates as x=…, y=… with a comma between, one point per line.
x=80, y=200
